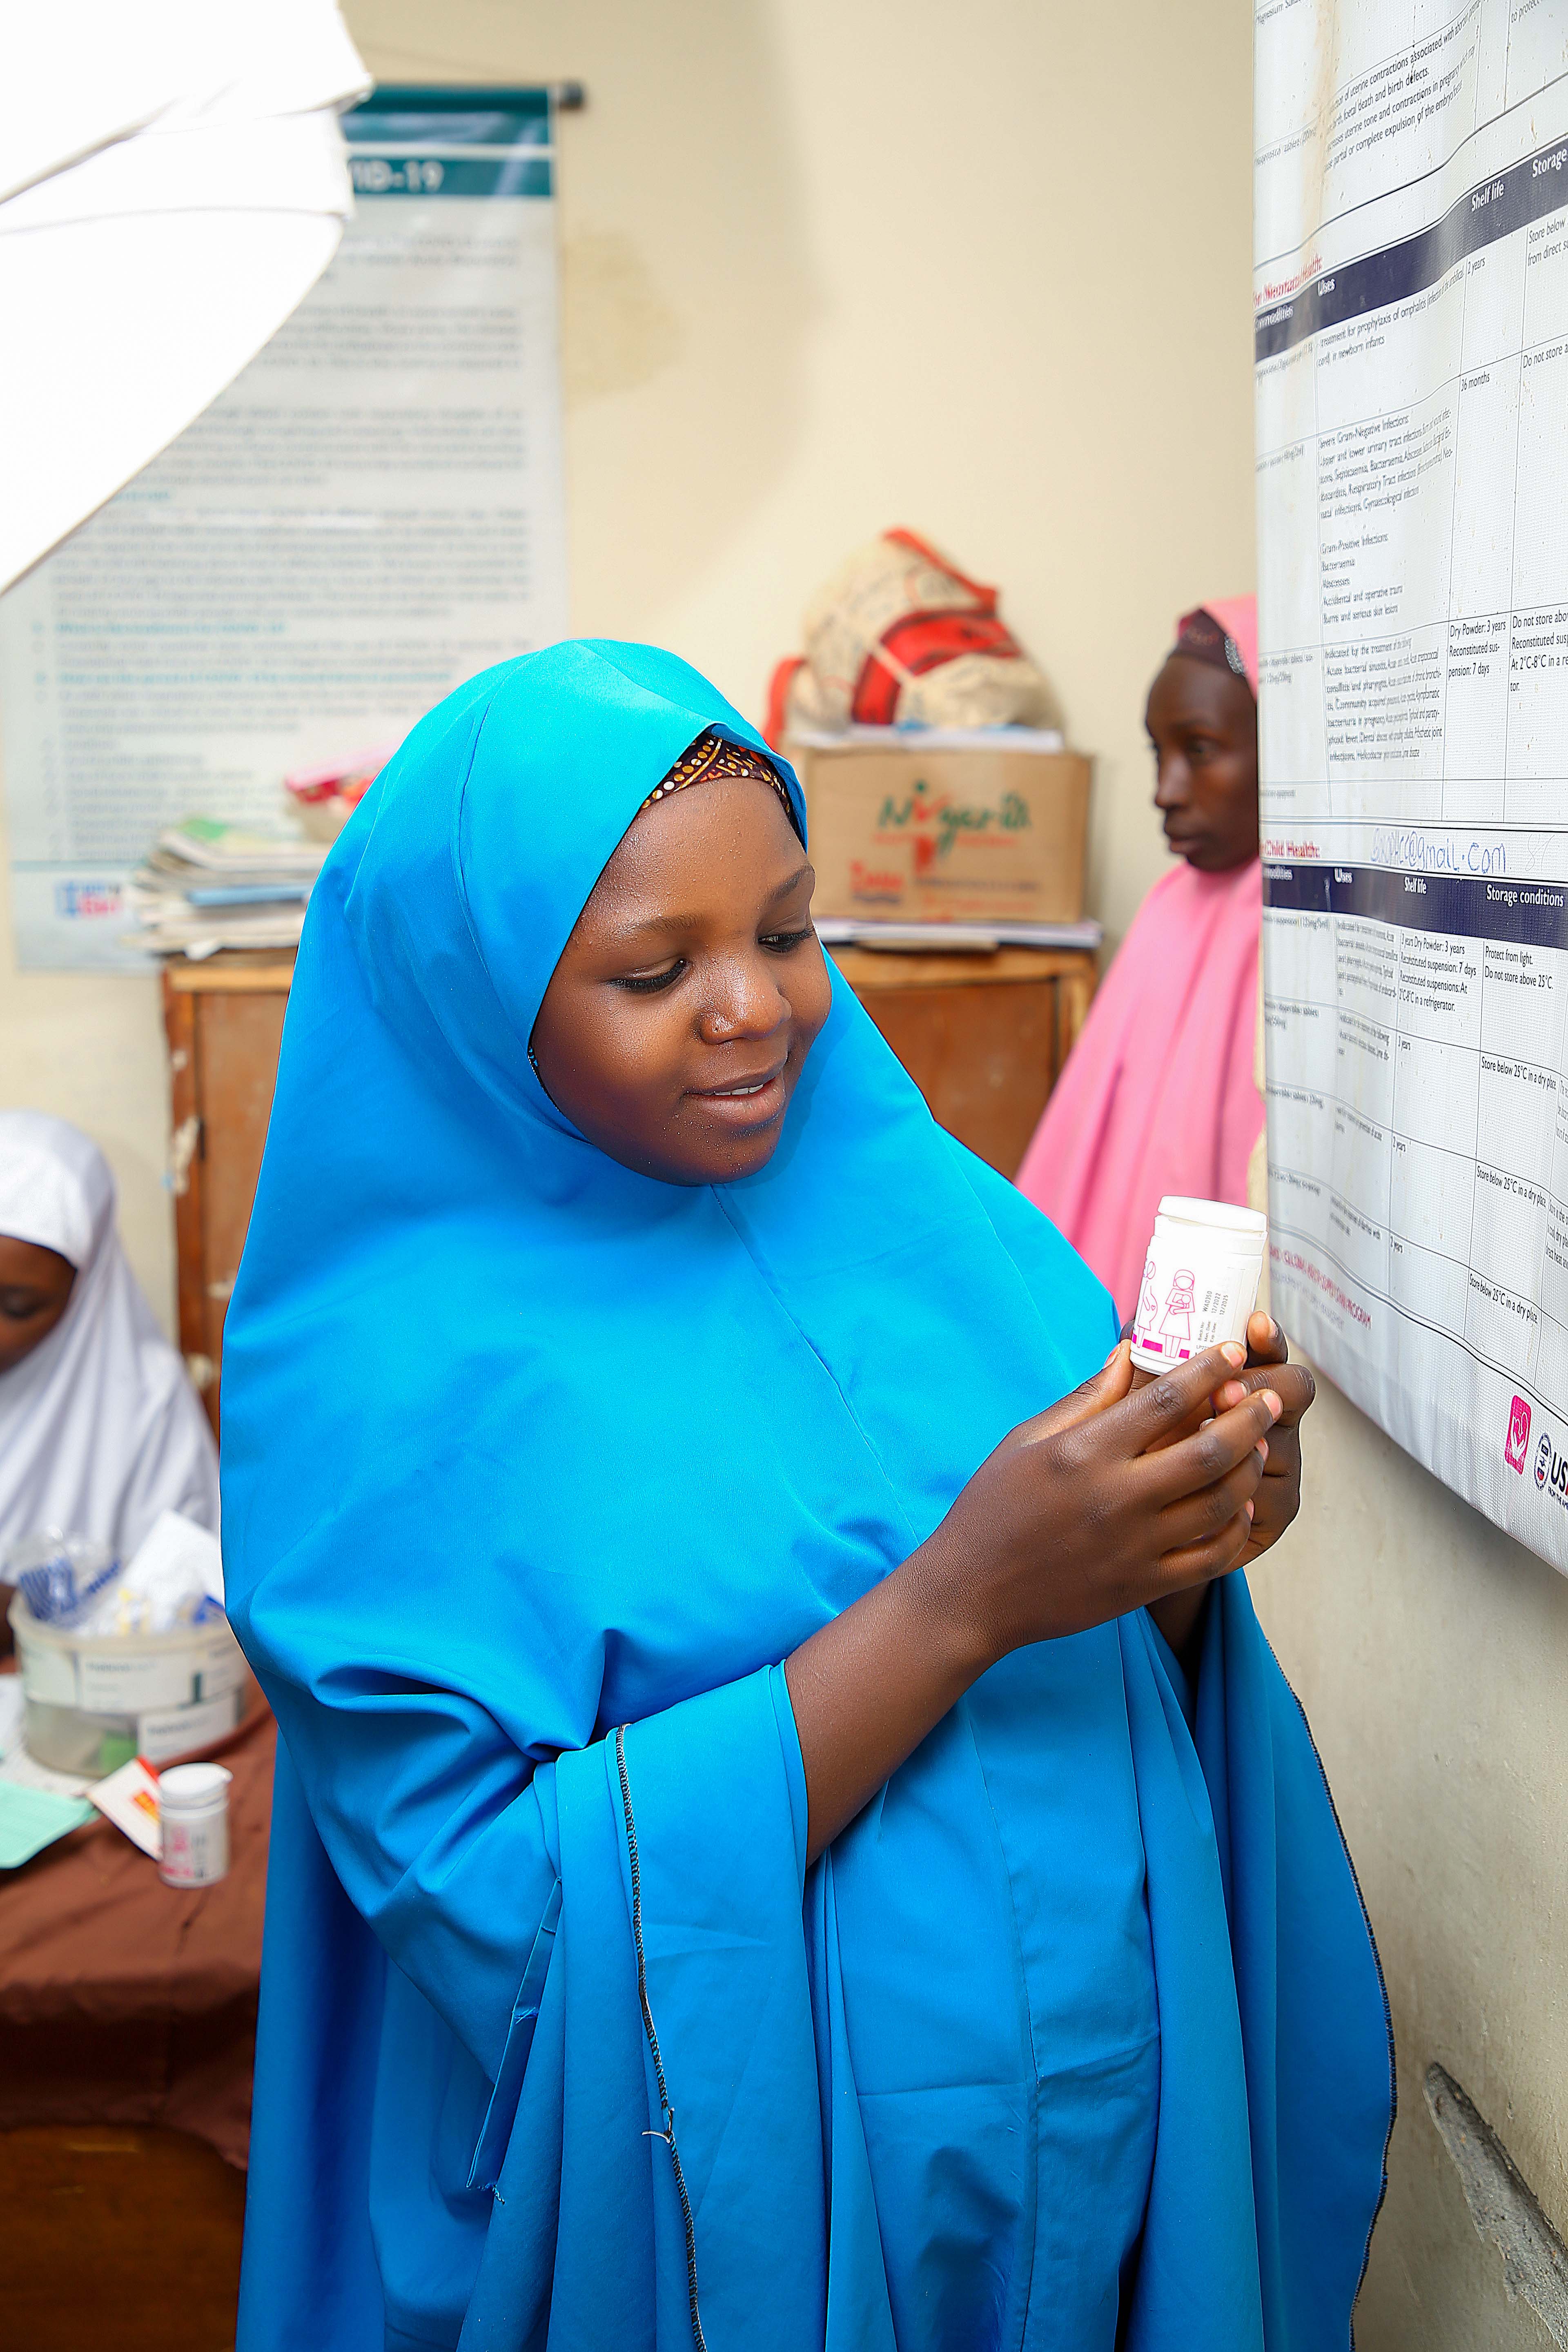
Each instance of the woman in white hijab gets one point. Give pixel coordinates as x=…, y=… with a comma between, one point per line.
x=100, y=1427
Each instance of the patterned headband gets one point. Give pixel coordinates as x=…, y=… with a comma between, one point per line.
x=714, y=755
x=1200, y=638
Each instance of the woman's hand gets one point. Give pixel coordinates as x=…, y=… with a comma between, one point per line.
x=1279, y=1496
x=1269, y=1365
x=1112, y=1499
x=1109, y=1500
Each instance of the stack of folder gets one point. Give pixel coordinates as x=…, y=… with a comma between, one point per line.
x=206, y=885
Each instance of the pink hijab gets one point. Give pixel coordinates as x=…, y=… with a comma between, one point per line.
x=1158, y=1094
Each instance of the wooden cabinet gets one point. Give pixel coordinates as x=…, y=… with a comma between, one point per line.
x=118, y=2236
x=984, y=1037
x=224, y=1023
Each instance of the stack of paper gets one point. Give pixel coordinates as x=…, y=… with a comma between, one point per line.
x=929, y=739
x=954, y=939
x=206, y=885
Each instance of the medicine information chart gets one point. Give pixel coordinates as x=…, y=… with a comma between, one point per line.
x=372, y=512
x=1412, y=372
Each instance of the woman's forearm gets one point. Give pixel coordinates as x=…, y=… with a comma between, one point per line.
x=867, y=1687
x=1073, y=1520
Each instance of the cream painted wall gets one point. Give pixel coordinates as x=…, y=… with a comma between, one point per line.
x=974, y=270
x=1430, y=1653
x=828, y=268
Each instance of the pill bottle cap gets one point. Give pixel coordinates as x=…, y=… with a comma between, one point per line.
x=193, y=1788
x=1219, y=1216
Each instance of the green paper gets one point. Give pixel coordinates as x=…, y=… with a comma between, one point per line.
x=31, y=1819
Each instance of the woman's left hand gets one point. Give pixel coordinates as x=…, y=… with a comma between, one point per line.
x=1279, y=1495
x=1278, y=1498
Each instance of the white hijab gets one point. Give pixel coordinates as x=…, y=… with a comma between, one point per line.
x=100, y=1427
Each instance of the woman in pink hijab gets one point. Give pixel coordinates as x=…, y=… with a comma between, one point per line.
x=1158, y=1095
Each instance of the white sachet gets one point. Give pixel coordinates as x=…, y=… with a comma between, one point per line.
x=173, y=1578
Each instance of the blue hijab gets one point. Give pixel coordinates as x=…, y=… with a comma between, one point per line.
x=520, y=1447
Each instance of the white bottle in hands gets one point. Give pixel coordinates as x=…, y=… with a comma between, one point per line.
x=1201, y=1274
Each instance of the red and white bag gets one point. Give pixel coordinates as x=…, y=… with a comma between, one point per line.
x=900, y=637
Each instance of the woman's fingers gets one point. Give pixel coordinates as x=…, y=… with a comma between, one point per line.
x=1265, y=1343
x=1292, y=1384
x=1196, y=1563
x=1211, y=1453
x=1194, y=1518
x=1280, y=1493
x=1285, y=1448
x=1153, y=1414
x=1106, y=1387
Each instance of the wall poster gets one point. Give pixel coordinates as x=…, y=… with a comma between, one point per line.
x=1411, y=301
x=371, y=512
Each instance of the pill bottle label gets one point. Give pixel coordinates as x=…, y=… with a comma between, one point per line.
x=196, y=1851
x=1191, y=1297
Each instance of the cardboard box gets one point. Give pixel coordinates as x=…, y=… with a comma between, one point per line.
x=944, y=834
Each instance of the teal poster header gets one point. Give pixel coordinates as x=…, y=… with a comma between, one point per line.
x=412, y=140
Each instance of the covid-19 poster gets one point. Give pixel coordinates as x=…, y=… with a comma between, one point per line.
x=372, y=511
x=1411, y=301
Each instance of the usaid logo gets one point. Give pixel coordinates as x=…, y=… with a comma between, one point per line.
x=1552, y=1470
x=1517, y=1445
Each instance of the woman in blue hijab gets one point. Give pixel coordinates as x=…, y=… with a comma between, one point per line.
x=747, y=1871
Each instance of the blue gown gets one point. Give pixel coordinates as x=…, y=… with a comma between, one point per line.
x=534, y=1469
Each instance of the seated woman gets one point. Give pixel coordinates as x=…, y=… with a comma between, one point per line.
x=747, y=1870
x=100, y=1427
x=1158, y=1093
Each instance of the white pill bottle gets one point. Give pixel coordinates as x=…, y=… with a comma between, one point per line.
x=193, y=1807
x=1201, y=1274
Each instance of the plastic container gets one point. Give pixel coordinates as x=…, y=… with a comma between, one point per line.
x=193, y=1810
x=92, y=1704
x=1200, y=1280
x=61, y=1575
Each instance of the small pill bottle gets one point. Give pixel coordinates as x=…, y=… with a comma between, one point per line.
x=193, y=1807
x=1201, y=1274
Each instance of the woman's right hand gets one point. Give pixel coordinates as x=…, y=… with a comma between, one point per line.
x=1099, y=1505
x=1106, y=1501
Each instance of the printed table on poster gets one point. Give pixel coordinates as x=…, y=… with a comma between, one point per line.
x=1412, y=393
